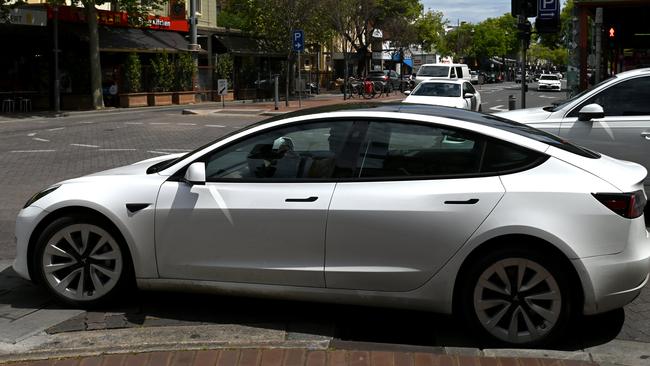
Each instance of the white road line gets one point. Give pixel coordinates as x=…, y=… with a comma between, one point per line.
x=117, y=149
x=547, y=97
x=31, y=134
x=159, y=152
x=220, y=126
x=83, y=145
x=186, y=124
x=133, y=123
x=56, y=129
x=174, y=150
x=87, y=122
x=158, y=123
x=40, y=139
x=32, y=151
x=498, y=108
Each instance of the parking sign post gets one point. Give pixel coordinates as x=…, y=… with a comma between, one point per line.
x=298, y=41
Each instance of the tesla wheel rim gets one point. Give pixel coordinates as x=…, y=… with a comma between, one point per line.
x=517, y=300
x=82, y=262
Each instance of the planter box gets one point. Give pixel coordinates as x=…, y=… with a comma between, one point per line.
x=164, y=98
x=186, y=97
x=129, y=100
x=228, y=97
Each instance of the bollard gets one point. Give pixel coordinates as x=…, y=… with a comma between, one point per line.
x=512, y=102
x=277, y=96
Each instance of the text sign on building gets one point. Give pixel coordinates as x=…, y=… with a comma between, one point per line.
x=298, y=40
x=28, y=17
x=547, y=9
x=222, y=86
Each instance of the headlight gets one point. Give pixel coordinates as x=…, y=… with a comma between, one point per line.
x=40, y=195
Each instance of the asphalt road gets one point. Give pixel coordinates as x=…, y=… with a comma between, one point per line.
x=36, y=152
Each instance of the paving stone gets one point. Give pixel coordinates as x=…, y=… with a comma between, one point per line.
x=294, y=357
x=91, y=361
x=34, y=323
x=115, y=322
x=403, y=359
x=160, y=358
x=379, y=358
x=424, y=359
x=206, y=358
x=74, y=324
x=272, y=357
x=139, y=359
x=249, y=357
x=358, y=358
x=319, y=358
x=228, y=357
x=183, y=358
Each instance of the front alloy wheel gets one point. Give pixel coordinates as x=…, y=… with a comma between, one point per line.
x=517, y=300
x=81, y=262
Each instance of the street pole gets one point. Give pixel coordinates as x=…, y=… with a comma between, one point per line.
x=522, y=22
x=57, y=81
x=301, y=85
x=194, y=47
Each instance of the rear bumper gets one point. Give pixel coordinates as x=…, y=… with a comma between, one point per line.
x=613, y=281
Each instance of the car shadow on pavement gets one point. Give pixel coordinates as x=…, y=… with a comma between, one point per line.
x=345, y=324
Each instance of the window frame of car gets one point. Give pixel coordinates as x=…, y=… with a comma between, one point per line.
x=178, y=176
x=468, y=85
x=587, y=97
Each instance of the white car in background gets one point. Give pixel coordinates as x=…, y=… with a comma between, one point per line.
x=449, y=93
x=549, y=82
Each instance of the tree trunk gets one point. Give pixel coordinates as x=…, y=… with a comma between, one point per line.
x=93, y=46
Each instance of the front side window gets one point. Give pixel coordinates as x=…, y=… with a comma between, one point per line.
x=437, y=90
x=310, y=151
x=434, y=71
x=627, y=98
x=469, y=88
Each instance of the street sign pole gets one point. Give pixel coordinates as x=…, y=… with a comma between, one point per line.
x=300, y=83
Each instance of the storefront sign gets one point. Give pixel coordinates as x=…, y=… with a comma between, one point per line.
x=35, y=17
x=118, y=19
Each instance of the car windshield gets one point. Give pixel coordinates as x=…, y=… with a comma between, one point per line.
x=548, y=77
x=434, y=71
x=437, y=90
x=561, y=104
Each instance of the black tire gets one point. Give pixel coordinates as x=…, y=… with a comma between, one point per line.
x=469, y=288
x=124, y=280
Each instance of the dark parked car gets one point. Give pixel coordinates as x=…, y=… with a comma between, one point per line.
x=388, y=76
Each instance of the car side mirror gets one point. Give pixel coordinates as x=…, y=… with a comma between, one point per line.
x=407, y=92
x=195, y=173
x=468, y=95
x=591, y=111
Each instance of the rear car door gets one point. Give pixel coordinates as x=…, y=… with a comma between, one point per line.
x=417, y=197
x=624, y=132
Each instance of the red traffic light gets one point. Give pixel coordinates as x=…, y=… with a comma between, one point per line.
x=612, y=32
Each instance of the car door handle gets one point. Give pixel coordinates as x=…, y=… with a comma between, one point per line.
x=308, y=199
x=468, y=202
x=645, y=135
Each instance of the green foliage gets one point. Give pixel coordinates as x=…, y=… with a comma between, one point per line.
x=162, y=69
x=430, y=29
x=133, y=73
x=185, y=71
x=223, y=69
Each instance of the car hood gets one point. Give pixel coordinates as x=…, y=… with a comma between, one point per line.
x=525, y=115
x=443, y=101
x=136, y=168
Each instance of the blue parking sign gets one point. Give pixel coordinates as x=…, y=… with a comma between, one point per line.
x=298, y=40
x=547, y=9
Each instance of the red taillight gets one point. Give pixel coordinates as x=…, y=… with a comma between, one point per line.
x=629, y=205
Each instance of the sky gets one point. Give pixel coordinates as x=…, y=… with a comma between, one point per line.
x=471, y=11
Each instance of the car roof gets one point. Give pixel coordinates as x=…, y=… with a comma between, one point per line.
x=444, y=81
x=441, y=64
x=635, y=72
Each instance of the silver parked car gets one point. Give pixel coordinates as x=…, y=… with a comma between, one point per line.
x=410, y=206
x=613, y=117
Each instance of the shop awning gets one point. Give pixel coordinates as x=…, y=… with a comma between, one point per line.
x=242, y=45
x=114, y=39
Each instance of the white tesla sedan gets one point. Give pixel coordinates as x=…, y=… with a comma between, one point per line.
x=457, y=93
x=390, y=205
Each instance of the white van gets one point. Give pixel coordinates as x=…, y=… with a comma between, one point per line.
x=442, y=71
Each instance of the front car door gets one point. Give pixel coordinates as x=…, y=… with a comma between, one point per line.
x=261, y=216
x=418, y=196
x=624, y=132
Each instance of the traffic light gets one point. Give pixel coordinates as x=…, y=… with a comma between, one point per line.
x=612, y=33
x=528, y=7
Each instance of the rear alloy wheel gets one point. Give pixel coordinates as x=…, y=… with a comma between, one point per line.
x=80, y=262
x=518, y=299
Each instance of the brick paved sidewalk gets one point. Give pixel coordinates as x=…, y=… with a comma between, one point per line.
x=294, y=357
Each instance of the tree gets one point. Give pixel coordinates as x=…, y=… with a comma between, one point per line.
x=430, y=29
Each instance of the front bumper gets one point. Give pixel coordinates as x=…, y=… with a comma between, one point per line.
x=26, y=222
x=549, y=87
x=613, y=281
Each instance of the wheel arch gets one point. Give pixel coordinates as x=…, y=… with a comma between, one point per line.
x=509, y=240
x=74, y=210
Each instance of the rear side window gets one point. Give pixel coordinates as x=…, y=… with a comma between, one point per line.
x=459, y=72
x=395, y=150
